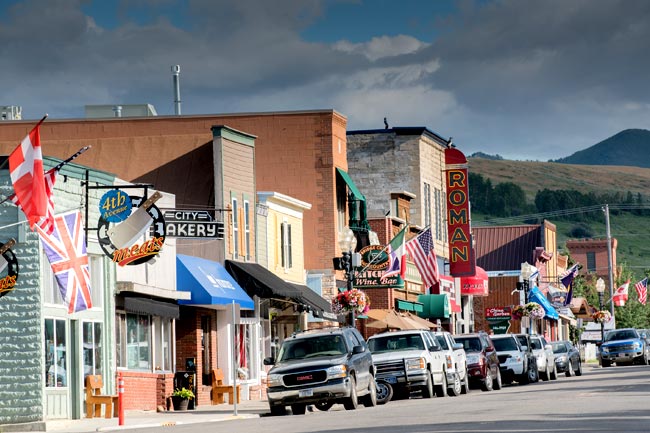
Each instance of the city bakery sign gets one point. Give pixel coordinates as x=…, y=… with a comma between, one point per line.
x=374, y=262
x=461, y=254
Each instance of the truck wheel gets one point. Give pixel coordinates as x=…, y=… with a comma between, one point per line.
x=298, y=409
x=427, y=390
x=370, y=399
x=498, y=384
x=441, y=390
x=352, y=402
x=465, y=389
x=546, y=375
x=456, y=387
x=384, y=392
x=554, y=372
x=487, y=382
x=606, y=363
x=278, y=410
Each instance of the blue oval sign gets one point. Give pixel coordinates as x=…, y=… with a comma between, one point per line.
x=115, y=206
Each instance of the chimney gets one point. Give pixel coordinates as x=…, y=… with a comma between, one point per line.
x=176, y=71
x=117, y=110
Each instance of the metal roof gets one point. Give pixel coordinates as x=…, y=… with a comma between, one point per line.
x=505, y=248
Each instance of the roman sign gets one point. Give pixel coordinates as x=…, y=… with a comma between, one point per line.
x=461, y=254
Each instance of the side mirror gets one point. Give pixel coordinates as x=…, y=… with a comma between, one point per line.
x=269, y=361
x=548, y=347
x=457, y=346
x=434, y=348
x=524, y=348
x=358, y=349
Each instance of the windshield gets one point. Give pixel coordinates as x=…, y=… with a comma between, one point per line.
x=623, y=334
x=522, y=340
x=389, y=343
x=326, y=345
x=505, y=344
x=471, y=344
x=559, y=348
x=536, y=343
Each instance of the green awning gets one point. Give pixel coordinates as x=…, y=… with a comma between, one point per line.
x=353, y=188
x=435, y=306
x=403, y=305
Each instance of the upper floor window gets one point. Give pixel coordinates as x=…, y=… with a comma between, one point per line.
x=247, y=230
x=235, y=227
x=285, y=234
x=591, y=261
x=427, y=205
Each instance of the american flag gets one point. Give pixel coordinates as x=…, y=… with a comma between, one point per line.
x=423, y=254
x=66, y=250
x=642, y=289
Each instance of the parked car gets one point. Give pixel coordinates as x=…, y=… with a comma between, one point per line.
x=482, y=360
x=567, y=358
x=406, y=361
x=623, y=346
x=543, y=352
x=321, y=367
x=517, y=362
x=456, y=359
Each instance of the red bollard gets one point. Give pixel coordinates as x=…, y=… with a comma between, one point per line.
x=120, y=398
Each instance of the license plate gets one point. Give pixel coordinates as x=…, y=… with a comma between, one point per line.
x=305, y=393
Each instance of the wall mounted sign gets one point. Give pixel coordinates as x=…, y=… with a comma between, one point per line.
x=8, y=263
x=187, y=223
x=476, y=285
x=374, y=261
x=118, y=241
x=461, y=253
x=498, y=313
x=115, y=206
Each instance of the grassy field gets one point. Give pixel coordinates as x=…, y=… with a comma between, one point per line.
x=631, y=232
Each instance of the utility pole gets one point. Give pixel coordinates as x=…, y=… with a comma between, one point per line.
x=610, y=269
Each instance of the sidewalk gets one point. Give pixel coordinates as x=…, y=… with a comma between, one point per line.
x=136, y=418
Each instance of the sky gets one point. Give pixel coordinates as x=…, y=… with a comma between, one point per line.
x=524, y=79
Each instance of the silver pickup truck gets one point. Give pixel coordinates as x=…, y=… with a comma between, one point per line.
x=456, y=360
x=408, y=361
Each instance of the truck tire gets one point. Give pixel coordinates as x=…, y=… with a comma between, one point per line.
x=427, y=389
x=384, y=392
x=487, y=382
x=498, y=384
x=441, y=390
x=352, y=402
x=370, y=399
x=278, y=410
x=456, y=387
x=465, y=389
x=606, y=363
x=298, y=408
x=324, y=405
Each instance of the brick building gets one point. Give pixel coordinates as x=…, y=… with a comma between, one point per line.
x=593, y=255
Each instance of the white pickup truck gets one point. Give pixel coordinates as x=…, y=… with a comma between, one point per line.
x=408, y=361
x=456, y=360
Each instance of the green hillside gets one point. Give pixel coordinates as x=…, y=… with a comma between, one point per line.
x=630, y=147
x=632, y=232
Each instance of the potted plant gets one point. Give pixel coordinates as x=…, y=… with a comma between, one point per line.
x=351, y=300
x=181, y=398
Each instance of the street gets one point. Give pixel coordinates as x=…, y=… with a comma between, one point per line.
x=602, y=400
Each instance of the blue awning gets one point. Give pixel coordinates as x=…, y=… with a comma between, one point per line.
x=536, y=296
x=209, y=283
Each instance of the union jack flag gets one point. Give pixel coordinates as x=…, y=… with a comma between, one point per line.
x=66, y=250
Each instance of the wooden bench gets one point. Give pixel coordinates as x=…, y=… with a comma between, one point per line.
x=219, y=389
x=95, y=399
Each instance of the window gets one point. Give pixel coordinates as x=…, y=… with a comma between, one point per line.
x=591, y=261
x=92, y=348
x=438, y=214
x=285, y=234
x=341, y=202
x=206, y=349
x=235, y=228
x=247, y=229
x=427, y=205
x=96, y=280
x=247, y=351
x=56, y=353
x=143, y=342
x=51, y=293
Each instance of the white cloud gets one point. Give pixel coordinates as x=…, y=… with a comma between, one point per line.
x=381, y=47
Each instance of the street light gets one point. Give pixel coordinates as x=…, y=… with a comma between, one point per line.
x=600, y=288
x=348, y=244
x=524, y=281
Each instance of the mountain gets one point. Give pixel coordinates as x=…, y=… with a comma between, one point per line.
x=630, y=147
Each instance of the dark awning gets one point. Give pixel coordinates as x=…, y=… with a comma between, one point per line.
x=353, y=188
x=149, y=306
x=209, y=283
x=259, y=281
x=320, y=307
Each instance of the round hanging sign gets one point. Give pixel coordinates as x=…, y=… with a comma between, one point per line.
x=8, y=282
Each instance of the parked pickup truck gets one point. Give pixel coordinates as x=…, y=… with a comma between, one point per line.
x=406, y=361
x=456, y=360
x=623, y=346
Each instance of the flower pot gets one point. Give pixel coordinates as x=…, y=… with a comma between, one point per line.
x=180, y=403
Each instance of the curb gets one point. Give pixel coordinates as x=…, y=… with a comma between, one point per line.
x=175, y=423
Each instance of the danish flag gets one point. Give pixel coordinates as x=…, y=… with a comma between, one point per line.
x=620, y=296
x=66, y=250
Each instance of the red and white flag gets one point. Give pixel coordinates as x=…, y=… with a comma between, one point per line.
x=28, y=177
x=620, y=295
x=642, y=290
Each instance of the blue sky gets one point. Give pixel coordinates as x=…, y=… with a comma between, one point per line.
x=525, y=79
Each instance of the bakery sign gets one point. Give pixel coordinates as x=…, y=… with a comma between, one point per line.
x=374, y=262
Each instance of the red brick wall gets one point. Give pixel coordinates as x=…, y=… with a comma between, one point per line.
x=146, y=391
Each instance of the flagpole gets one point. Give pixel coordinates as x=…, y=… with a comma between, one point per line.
x=386, y=246
x=58, y=167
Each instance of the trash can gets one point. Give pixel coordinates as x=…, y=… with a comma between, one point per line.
x=186, y=379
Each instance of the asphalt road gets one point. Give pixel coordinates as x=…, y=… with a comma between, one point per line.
x=615, y=399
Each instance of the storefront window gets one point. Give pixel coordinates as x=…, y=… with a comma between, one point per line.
x=163, y=346
x=247, y=351
x=92, y=348
x=143, y=342
x=56, y=358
